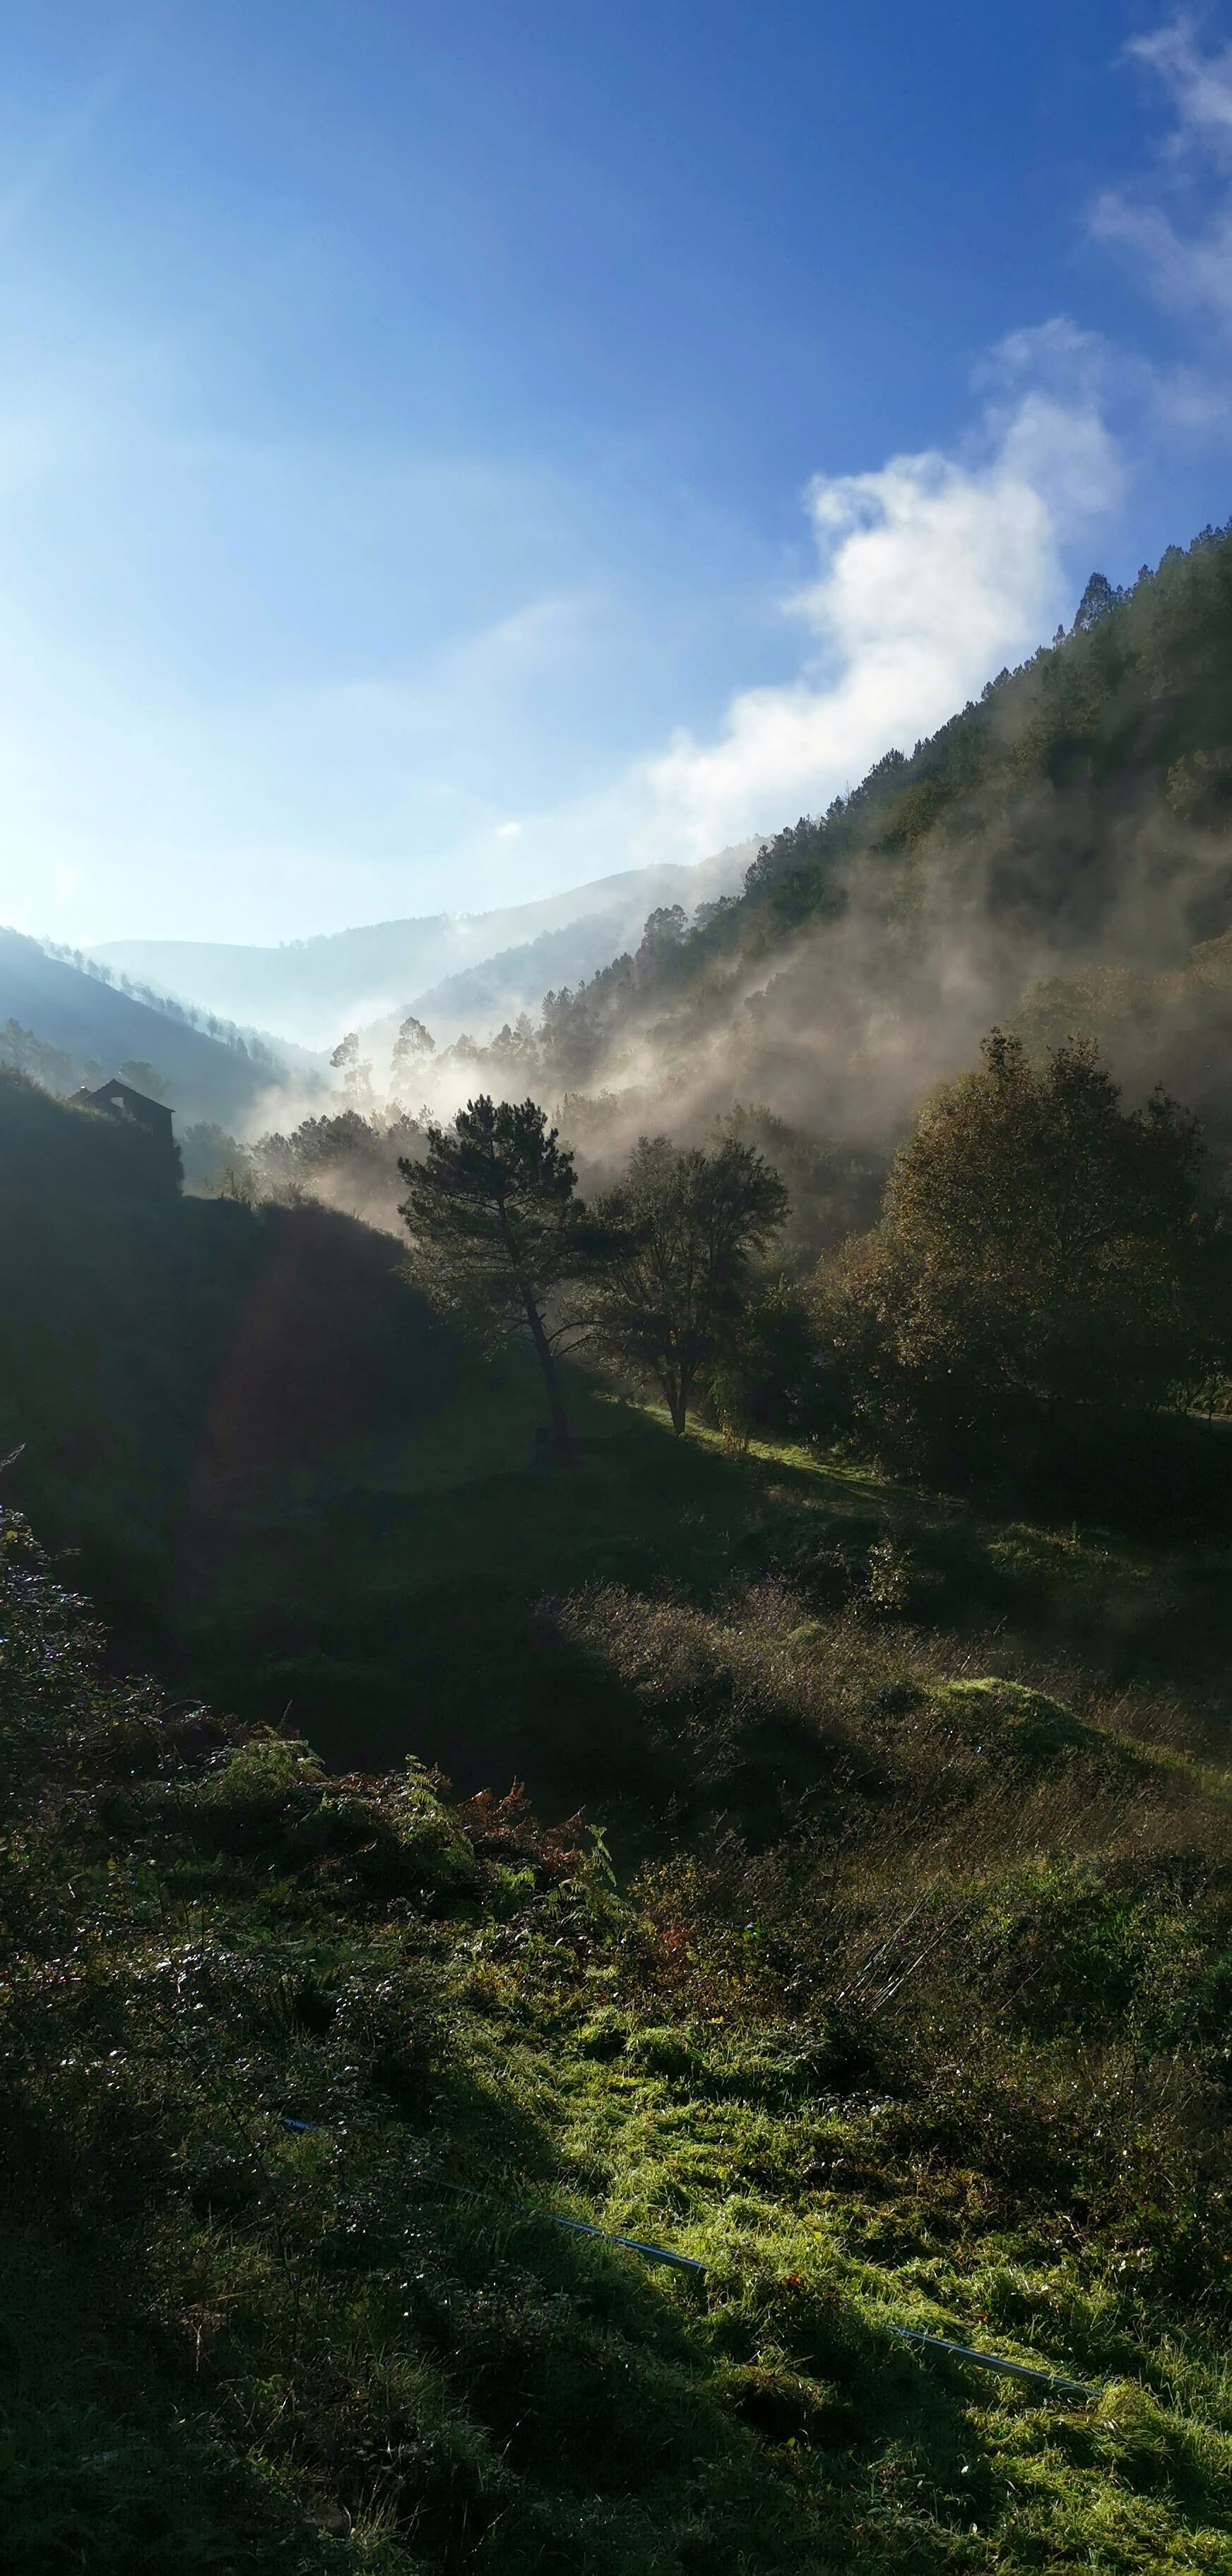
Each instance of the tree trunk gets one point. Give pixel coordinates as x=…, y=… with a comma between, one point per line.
x=677, y=1401
x=564, y=1447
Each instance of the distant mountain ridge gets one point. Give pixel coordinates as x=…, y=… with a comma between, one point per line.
x=96, y=1027
x=479, y=998
x=311, y=990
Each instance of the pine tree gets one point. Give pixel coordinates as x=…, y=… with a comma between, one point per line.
x=498, y=1228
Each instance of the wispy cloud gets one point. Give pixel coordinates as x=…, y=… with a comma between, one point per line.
x=55, y=156
x=185, y=741
x=932, y=571
x=1177, y=225
x=1200, y=84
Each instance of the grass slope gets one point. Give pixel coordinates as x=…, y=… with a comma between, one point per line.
x=301, y=2071
x=401, y=1596
x=907, y=1999
x=285, y=1484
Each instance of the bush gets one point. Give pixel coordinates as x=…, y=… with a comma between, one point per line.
x=270, y=1796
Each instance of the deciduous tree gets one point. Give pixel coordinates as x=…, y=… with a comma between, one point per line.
x=1040, y=1242
x=412, y=1048
x=356, y=1076
x=679, y=1236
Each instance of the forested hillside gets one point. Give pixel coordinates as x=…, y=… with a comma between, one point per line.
x=1060, y=853
x=67, y=1026
x=479, y=998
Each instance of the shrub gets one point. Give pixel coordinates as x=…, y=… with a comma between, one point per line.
x=271, y=1796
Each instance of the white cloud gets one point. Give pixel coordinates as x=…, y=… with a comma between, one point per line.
x=1187, y=266
x=1200, y=84
x=266, y=691
x=1186, y=271
x=934, y=570
x=383, y=781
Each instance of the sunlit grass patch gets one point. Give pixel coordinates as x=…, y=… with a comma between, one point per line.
x=906, y=2003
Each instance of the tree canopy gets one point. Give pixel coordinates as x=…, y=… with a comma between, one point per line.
x=1039, y=1241
x=413, y=1046
x=680, y=1233
x=356, y=1075
x=493, y=1212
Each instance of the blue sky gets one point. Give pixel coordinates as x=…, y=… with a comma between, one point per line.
x=451, y=451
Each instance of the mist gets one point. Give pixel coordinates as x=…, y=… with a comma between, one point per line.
x=843, y=1029
x=1057, y=859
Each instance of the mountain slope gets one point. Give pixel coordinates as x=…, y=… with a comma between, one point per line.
x=1078, y=818
x=314, y=988
x=480, y=997
x=97, y=1027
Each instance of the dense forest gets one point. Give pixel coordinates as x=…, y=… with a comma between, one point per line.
x=1055, y=857
x=647, y=1986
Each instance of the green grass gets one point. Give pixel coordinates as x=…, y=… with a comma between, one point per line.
x=916, y=2014
x=391, y=1597
x=378, y=2318
x=108, y=2461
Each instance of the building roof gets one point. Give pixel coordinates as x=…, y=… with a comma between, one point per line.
x=120, y=1099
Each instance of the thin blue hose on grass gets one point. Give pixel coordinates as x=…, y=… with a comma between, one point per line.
x=632, y=2244
x=689, y=2263
x=994, y=2361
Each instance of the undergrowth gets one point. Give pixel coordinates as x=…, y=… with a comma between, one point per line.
x=913, y=2011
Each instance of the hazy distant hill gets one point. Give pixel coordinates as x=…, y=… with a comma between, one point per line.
x=312, y=989
x=96, y=1027
x=480, y=998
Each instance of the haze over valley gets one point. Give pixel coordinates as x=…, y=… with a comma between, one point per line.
x=308, y=989
x=615, y=1290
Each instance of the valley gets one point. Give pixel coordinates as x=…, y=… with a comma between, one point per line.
x=774, y=1809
